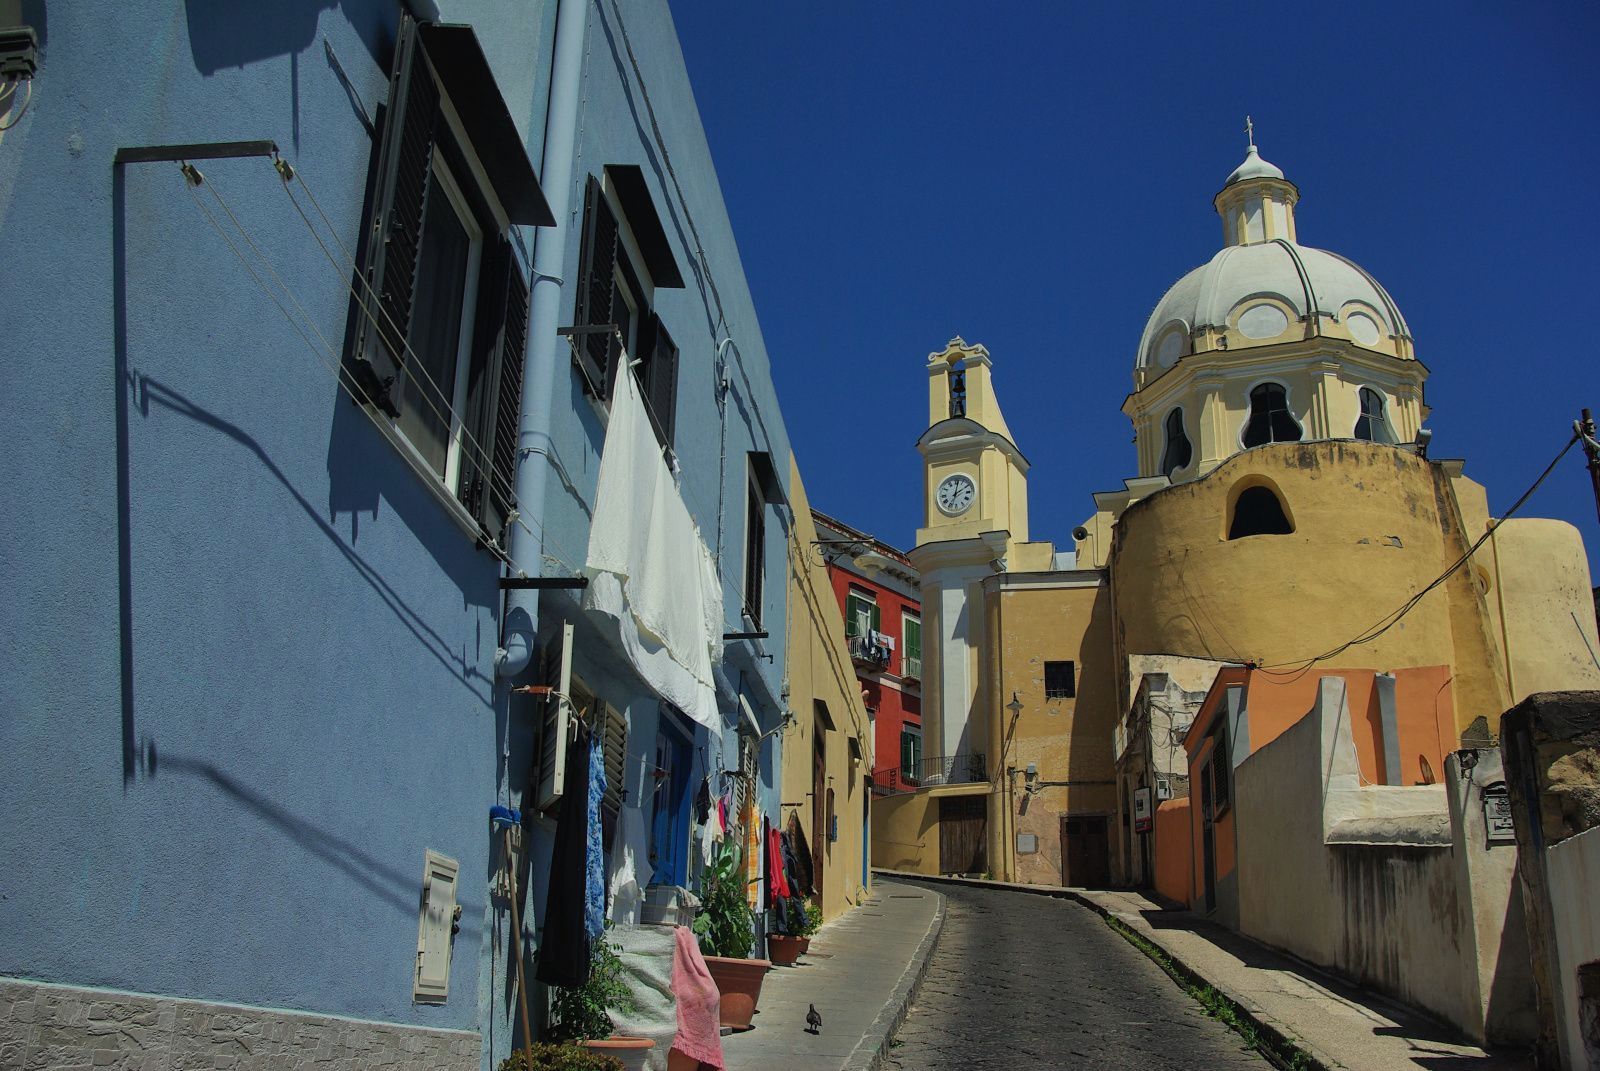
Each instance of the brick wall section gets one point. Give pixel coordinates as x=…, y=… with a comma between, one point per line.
x=63, y=1028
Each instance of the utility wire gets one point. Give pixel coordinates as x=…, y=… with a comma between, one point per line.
x=1388, y=621
x=326, y=352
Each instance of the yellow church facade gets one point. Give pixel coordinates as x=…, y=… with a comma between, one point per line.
x=1285, y=518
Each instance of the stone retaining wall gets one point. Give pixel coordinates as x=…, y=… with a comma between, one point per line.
x=65, y=1028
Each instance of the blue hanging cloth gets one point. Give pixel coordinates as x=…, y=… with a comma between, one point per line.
x=594, y=906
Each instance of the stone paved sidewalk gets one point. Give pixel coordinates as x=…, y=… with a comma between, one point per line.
x=861, y=972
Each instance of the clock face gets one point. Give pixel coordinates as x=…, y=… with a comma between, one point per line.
x=956, y=494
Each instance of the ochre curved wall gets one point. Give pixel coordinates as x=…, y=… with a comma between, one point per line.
x=1373, y=526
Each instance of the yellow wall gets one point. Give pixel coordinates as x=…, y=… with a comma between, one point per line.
x=1373, y=526
x=905, y=833
x=819, y=668
x=1035, y=618
x=1543, y=605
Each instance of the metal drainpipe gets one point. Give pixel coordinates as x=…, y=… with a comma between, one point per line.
x=539, y=376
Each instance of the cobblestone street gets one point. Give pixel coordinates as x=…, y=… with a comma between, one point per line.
x=1020, y=981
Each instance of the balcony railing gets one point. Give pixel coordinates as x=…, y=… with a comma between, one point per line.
x=951, y=770
x=910, y=668
x=869, y=650
x=954, y=769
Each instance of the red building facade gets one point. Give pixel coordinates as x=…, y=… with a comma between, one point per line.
x=878, y=590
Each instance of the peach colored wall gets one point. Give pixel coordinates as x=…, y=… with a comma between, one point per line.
x=1173, y=871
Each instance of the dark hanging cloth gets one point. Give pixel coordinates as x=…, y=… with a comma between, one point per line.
x=564, y=953
x=793, y=906
x=802, y=855
x=702, y=802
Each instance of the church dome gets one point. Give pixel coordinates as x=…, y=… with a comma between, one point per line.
x=1263, y=287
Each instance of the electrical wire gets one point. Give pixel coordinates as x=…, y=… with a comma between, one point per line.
x=447, y=414
x=27, y=99
x=326, y=352
x=1388, y=621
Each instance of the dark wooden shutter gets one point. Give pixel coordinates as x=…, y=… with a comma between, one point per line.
x=494, y=389
x=660, y=379
x=597, y=273
x=405, y=167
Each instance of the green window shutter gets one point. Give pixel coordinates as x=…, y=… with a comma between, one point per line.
x=913, y=638
x=905, y=750
x=853, y=614
x=877, y=620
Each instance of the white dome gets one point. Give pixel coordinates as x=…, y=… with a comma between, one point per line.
x=1242, y=279
x=1254, y=167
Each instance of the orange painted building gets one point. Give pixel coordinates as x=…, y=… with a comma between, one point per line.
x=1402, y=725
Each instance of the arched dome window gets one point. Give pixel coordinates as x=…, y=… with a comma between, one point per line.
x=1270, y=420
x=1178, y=452
x=1257, y=511
x=1373, y=423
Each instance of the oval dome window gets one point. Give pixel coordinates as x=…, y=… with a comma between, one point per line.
x=1170, y=348
x=1263, y=321
x=1362, y=328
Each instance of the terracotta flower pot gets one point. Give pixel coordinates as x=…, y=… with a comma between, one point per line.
x=805, y=945
x=631, y=1051
x=784, y=949
x=739, y=984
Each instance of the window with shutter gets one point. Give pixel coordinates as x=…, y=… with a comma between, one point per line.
x=755, y=550
x=612, y=315
x=441, y=317
x=911, y=656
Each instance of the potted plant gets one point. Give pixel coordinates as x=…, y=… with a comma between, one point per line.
x=582, y=1014
x=725, y=927
x=813, y=923
x=789, y=944
x=560, y=1058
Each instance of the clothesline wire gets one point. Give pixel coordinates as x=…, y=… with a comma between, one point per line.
x=326, y=352
x=410, y=361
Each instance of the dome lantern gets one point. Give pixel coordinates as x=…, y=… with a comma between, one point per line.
x=1256, y=203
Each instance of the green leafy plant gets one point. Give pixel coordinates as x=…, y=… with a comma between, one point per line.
x=560, y=1058
x=725, y=925
x=583, y=1013
x=813, y=921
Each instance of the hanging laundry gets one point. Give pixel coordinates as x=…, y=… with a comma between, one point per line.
x=777, y=887
x=802, y=854
x=709, y=835
x=630, y=866
x=699, y=1036
x=702, y=802
x=564, y=952
x=594, y=903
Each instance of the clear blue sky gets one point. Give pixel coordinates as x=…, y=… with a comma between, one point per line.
x=1034, y=176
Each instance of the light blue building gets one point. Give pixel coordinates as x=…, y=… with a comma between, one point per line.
x=318, y=316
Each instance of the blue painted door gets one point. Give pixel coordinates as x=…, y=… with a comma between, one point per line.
x=669, y=837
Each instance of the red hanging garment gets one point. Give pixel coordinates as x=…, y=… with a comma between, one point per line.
x=776, y=885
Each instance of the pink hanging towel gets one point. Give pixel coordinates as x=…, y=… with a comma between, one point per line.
x=699, y=1007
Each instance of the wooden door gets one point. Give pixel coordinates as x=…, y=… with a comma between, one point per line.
x=1208, y=841
x=819, y=816
x=963, y=829
x=1085, y=848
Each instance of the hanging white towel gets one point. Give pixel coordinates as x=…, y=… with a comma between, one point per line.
x=630, y=867
x=649, y=568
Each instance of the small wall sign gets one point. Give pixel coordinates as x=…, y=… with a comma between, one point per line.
x=1027, y=843
x=1142, y=819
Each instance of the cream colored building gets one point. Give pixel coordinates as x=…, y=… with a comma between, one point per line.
x=827, y=750
x=1283, y=509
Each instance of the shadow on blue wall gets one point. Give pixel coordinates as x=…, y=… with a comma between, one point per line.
x=225, y=34
x=148, y=391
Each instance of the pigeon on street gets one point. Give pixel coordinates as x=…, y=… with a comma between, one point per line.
x=813, y=1020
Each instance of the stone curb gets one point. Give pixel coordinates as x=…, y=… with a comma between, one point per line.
x=1246, y=1009
x=873, y=1048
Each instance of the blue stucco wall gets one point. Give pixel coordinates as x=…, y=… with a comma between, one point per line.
x=300, y=659
x=249, y=656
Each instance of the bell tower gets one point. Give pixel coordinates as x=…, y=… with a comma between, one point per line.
x=975, y=518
